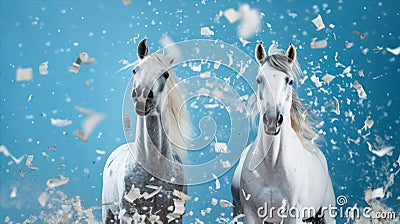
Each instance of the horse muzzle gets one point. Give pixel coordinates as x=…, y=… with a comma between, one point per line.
x=143, y=109
x=272, y=124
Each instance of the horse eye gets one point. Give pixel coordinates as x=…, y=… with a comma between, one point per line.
x=134, y=71
x=258, y=80
x=165, y=75
x=290, y=82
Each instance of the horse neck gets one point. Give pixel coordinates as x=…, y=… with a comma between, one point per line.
x=151, y=135
x=271, y=145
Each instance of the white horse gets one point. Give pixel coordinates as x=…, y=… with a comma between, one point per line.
x=282, y=177
x=162, y=124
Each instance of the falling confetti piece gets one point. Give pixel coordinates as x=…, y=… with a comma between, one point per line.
x=328, y=78
x=156, y=189
x=225, y=203
x=60, y=122
x=318, y=23
x=80, y=135
x=53, y=183
x=181, y=195
x=74, y=68
x=7, y=153
x=91, y=122
x=221, y=147
x=127, y=122
x=29, y=160
x=337, y=106
x=217, y=183
x=348, y=44
x=318, y=44
x=243, y=41
x=361, y=73
x=360, y=90
x=225, y=164
x=43, y=68
x=84, y=57
x=24, y=74
x=217, y=63
x=361, y=35
x=206, y=31
x=368, y=123
x=316, y=81
x=384, y=151
x=133, y=194
x=43, y=198
x=231, y=15
x=100, y=152
x=395, y=51
x=13, y=192
x=205, y=75
x=126, y=2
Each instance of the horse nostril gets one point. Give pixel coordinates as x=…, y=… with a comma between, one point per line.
x=265, y=118
x=133, y=93
x=150, y=95
x=280, y=120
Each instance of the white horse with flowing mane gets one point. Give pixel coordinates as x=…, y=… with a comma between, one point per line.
x=153, y=162
x=282, y=177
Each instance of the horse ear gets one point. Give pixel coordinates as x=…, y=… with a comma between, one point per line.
x=260, y=53
x=291, y=53
x=143, y=50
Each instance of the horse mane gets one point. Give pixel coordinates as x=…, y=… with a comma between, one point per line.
x=299, y=116
x=180, y=127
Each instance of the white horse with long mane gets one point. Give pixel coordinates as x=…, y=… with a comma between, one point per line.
x=135, y=171
x=282, y=177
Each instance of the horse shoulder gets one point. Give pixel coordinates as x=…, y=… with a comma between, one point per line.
x=237, y=175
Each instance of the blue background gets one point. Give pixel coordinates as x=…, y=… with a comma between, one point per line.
x=57, y=31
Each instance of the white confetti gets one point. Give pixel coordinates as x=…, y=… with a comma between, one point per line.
x=180, y=195
x=60, y=122
x=231, y=15
x=221, y=147
x=205, y=75
x=13, y=192
x=43, y=198
x=318, y=22
x=395, y=51
x=318, y=44
x=7, y=153
x=100, y=152
x=360, y=90
x=43, y=68
x=29, y=160
x=328, y=78
x=225, y=203
x=217, y=183
x=206, y=31
x=53, y=183
x=225, y=164
x=24, y=74
x=126, y=2
x=217, y=63
x=156, y=189
x=316, y=81
x=243, y=41
x=133, y=194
